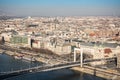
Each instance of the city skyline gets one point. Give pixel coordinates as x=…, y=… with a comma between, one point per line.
x=59, y=40
x=60, y=7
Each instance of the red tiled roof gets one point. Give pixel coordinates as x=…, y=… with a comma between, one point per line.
x=107, y=50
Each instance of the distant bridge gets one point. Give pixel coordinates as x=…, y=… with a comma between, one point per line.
x=44, y=68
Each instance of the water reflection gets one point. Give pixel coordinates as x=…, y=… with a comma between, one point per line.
x=63, y=74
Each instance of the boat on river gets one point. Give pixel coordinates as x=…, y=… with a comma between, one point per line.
x=17, y=57
x=29, y=58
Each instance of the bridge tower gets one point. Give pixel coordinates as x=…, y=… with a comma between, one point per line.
x=81, y=55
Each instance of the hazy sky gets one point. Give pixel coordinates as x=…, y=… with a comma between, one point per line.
x=60, y=7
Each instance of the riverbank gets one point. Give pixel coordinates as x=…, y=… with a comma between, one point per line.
x=1, y=51
x=103, y=73
x=33, y=57
x=8, y=63
x=18, y=55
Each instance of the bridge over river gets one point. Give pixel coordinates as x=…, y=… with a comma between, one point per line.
x=47, y=67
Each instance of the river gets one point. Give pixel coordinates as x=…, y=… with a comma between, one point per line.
x=8, y=63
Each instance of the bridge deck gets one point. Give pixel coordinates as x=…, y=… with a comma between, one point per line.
x=47, y=68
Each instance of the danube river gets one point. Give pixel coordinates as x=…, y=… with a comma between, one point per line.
x=8, y=63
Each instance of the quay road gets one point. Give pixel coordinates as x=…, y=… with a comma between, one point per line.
x=4, y=75
x=48, y=58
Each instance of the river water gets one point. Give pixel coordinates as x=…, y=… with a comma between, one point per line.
x=8, y=63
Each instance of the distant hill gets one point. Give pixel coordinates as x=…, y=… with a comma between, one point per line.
x=5, y=17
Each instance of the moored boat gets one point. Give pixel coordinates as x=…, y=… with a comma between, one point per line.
x=29, y=58
x=17, y=57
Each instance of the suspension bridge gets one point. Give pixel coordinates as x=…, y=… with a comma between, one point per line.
x=47, y=67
